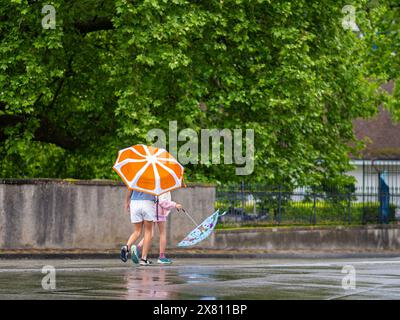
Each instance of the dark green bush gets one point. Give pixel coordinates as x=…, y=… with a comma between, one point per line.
x=371, y=214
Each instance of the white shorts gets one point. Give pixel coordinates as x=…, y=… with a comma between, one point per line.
x=142, y=210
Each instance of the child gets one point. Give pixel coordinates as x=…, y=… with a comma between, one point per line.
x=164, y=206
x=143, y=213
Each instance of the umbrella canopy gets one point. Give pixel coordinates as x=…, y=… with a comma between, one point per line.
x=148, y=169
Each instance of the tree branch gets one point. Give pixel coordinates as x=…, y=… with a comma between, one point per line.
x=96, y=24
x=47, y=131
x=7, y=120
x=51, y=133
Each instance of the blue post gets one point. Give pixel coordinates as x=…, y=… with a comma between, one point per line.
x=384, y=198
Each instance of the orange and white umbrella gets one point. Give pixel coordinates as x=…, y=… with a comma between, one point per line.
x=148, y=169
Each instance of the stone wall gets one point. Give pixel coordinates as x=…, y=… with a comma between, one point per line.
x=60, y=214
x=351, y=238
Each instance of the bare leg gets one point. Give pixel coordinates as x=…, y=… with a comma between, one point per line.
x=140, y=244
x=137, y=230
x=163, y=237
x=148, y=235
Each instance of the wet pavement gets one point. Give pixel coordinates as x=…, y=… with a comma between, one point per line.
x=203, y=279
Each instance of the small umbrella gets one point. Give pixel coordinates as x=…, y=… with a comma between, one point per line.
x=148, y=169
x=202, y=231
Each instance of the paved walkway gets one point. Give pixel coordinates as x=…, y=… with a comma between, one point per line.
x=376, y=278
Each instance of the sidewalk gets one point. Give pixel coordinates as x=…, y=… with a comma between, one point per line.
x=200, y=253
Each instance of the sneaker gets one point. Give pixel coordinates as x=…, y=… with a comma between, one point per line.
x=134, y=254
x=124, y=253
x=144, y=262
x=164, y=261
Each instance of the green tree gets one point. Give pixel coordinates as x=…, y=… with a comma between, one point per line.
x=112, y=70
x=380, y=28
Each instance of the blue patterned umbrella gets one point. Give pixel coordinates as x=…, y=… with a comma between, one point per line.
x=202, y=231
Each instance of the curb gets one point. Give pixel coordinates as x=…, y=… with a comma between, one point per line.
x=207, y=255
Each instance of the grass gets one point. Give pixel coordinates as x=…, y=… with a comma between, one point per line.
x=227, y=227
x=302, y=214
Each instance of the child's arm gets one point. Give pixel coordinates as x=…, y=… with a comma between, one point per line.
x=168, y=205
x=128, y=199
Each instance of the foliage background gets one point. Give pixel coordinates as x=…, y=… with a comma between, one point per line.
x=70, y=98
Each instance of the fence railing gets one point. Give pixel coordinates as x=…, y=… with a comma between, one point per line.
x=269, y=205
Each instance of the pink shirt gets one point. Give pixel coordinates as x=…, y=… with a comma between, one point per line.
x=165, y=204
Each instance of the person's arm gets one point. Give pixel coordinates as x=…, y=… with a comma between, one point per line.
x=128, y=199
x=166, y=204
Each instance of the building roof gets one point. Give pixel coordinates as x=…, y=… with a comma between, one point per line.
x=381, y=133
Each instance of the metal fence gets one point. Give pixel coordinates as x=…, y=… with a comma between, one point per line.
x=252, y=204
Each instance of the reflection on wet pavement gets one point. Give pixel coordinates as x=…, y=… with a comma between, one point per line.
x=207, y=279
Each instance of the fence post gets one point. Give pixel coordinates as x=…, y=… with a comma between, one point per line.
x=280, y=204
x=235, y=203
x=349, y=207
x=242, y=192
x=314, y=209
x=363, y=194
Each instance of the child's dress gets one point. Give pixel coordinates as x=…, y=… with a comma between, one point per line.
x=164, y=206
